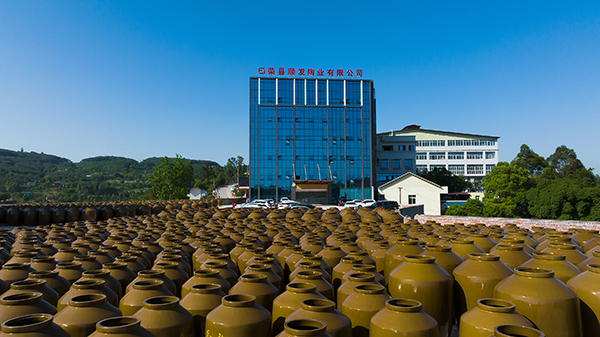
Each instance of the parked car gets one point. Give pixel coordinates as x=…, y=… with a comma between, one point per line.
x=352, y=203
x=390, y=205
x=366, y=202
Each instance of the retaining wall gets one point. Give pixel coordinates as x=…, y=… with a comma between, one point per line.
x=524, y=223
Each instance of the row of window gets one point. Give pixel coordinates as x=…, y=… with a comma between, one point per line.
x=456, y=142
x=459, y=169
x=400, y=148
x=309, y=92
x=454, y=155
x=384, y=164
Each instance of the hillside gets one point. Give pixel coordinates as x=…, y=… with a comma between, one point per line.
x=38, y=177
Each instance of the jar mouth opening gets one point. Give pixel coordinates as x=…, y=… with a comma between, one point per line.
x=205, y=273
x=28, y=283
x=206, y=287
x=27, y=323
x=309, y=274
x=20, y=297
x=509, y=247
x=369, y=289
x=404, y=305
x=365, y=277
x=419, y=259
x=484, y=257
x=507, y=330
x=301, y=287
x=438, y=248
x=87, y=299
x=534, y=272
x=166, y=264
x=160, y=301
x=549, y=256
x=238, y=300
x=593, y=267
x=145, y=284
x=43, y=273
x=124, y=322
x=300, y=327
x=151, y=272
x=495, y=305
x=88, y=283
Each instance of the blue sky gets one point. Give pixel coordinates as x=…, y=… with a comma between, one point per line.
x=141, y=78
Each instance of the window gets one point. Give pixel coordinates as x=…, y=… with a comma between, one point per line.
x=421, y=168
x=457, y=169
x=456, y=155
x=437, y=166
x=471, y=142
x=411, y=148
x=421, y=156
x=412, y=199
x=384, y=164
x=490, y=155
x=434, y=142
x=408, y=163
x=401, y=147
x=437, y=155
x=489, y=168
x=396, y=163
x=474, y=155
x=475, y=169
x=388, y=148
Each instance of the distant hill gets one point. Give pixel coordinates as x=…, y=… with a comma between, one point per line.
x=38, y=177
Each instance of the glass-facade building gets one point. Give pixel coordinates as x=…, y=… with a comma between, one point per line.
x=311, y=129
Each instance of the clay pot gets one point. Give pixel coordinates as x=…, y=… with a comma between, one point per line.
x=571, y=251
x=174, y=273
x=362, y=305
x=12, y=272
x=223, y=269
x=142, y=290
x=508, y=330
x=153, y=274
x=314, y=277
x=265, y=269
x=354, y=279
x=338, y=324
x=79, y=318
x=111, y=282
x=200, y=301
x=332, y=255
x=563, y=269
x=120, y=327
x=512, y=256
x=365, y=268
x=258, y=286
x=70, y=271
x=16, y=305
x=240, y=316
x=41, y=263
x=204, y=276
x=420, y=278
x=88, y=262
x=34, y=325
x=119, y=271
x=540, y=297
x=587, y=287
x=164, y=316
x=463, y=248
x=36, y=285
x=489, y=313
x=475, y=279
x=341, y=269
x=304, y=327
x=53, y=280
x=66, y=254
x=395, y=254
x=289, y=301
x=482, y=241
x=403, y=317
x=444, y=257
x=85, y=287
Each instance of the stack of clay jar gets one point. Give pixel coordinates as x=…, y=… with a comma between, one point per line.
x=192, y=269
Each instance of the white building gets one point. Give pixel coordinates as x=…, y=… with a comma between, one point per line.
x=411, y=189
x=395, y=157
x=470, y=155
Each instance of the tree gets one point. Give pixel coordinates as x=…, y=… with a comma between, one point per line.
x=529, y=160
x=505, y=182
x=472, y=207
x=561, y=157
x=172, y=180
x=443, y=177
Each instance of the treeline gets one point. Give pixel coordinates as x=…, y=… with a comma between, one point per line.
x=38, y=177
x=531, y=186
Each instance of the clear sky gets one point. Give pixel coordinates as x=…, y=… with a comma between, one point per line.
x=154, y=78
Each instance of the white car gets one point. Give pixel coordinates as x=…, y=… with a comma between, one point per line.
x=286, y=204
x=366, y=202
x=352, y=203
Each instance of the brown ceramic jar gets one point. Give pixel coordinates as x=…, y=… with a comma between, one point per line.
x=142, y=290
x=314, y=277
x=205, y=276
x=563, y=269
x=489, y=313
x=289, y=301
x=240, y=316
x=174, y=273
x=304, y=327
x=200, y=301
x=153, y=274
x=79, y=318
x=258, y=286
x=403, y=318
x=587, y=287
x=395, y=254
x=540, y=297
x=70, y=271
x=16, y=305
x=12, y=272
x=120, y=271
x=508, y=330
x=338, y=324
x=163, y=316
x=362, y=305
x=88, y=286
x=109, y=281
x=34, y=325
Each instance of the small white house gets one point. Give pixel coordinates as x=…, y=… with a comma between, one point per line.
x=412, y=189
x=196, y=193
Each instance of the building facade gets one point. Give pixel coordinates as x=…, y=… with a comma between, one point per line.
x=470, y=155
x=395, y=157
x=312, y=129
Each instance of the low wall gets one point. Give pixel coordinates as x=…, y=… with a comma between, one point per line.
x=524, y=223
x=412, y=211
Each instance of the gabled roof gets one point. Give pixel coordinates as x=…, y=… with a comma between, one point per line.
x=410, y=128
x=408, y=174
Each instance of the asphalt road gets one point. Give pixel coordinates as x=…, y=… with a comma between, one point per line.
x=224, y=191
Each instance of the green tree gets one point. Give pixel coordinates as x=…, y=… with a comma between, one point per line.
x=172, y=180
x=472, y=207
x=505, y=182
x=529, y=160
x=443, y=177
